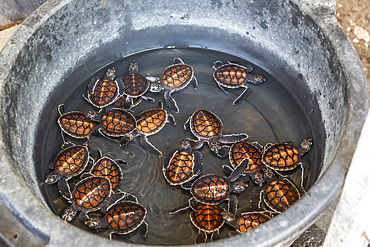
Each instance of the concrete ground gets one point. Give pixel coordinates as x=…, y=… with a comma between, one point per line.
x=354, y=17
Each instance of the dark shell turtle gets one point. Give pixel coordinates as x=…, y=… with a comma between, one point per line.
x=244, y=220
x=242, y=150
x=207, y=127
x=123, y=217
x=181, y=166
x=174, y=78
x=280, y=194
x=208, y=219
x=286, y=157
x=212, y=189
x=68, y=163
x=232, y=75
x=136, y=86
x=75, y=124
x=108, y=168
x=150, y=122
x=121, y=102
x=103, y=92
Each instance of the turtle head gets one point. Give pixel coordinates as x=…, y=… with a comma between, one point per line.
x=92, y=115
x=256, y=79
x=69, y=214
x=258, y=178
x=305, y=146
x=109, y=74
x=52, y=178
x=93, y=222
x=133, y=67
x=156, y=86
x=239, y=186
x=228, y=217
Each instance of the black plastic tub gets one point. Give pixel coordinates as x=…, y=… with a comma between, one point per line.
x=315, y=88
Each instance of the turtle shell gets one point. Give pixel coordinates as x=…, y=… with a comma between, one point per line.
x=245, y=150
x=177, y=76
x=135, y=85
x=125, y=217
x=280, y=195
x=249, y=220
x=281, y=157
x=117, y=122
x=120, y=102
x=207, y=218
x=76, y=124
x=180, y=168
x=108, y=168
x=152, y=121
x=105, y=92
x=205, y=125
x=90, y=193
x=72, y=161
x=211, y=189
x=231, y=75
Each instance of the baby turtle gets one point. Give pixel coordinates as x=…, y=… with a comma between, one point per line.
x=90, y=194
x=107, y=168
x=242, y=150
x=286, y=157
x=212, y=189
x=68, y=163
x=244, y=220
x=102, y=93
x=208, y=219
x=150, y=122
x=232, y=75
x=136, y=86
x=75, y=123
x=123, y=217
x=181, y=166
x=174, y=78
x=207, y=127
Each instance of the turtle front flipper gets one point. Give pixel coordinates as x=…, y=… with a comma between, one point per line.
x=146, y=98
x=144, y=228
x=230, y=139
x=170, y=102
x=91, y=86
x=121, y=87
x=238, y=170
x=223, y=151
x=144, y=142
x=194, y=82
x=64, y=189
x=247, y=91
x=113, y=199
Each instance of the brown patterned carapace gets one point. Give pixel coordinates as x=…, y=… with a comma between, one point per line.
x=176, y=77
x=76, y=124
x=211, y=189
x=152, y=121
x=72, y=161
x=280, y=195
x=205, y=124
x=91, y=192
x=231, y=75
x=117, y=122
x=281, y=157
x=248, y=221
x=125, y=217
x=135, y=85
x=180, y=169
x=207, y=218
x=108, y=168
x=105, y=93
x=245, y=150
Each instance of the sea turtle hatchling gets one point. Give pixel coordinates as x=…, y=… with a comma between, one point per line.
x=207, y=127
x=75, y=124
x=103, y=92
x=150, y=122
x=208, y=219
x=182, y=165
x=135, y=86
x=69, y=162
x=90, y=194
x=121, y=218
x=233, y=75
x=174, y=78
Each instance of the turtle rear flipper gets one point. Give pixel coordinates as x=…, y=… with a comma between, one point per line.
x=194, y=82
x=64, y=189
x=215, y=235
x=170, y=102
x=201, y=238
x=247, y=91
x=171, y=119
x=144, y=142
